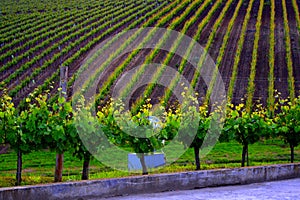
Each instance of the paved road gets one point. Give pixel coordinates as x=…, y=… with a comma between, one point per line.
x=278, y=190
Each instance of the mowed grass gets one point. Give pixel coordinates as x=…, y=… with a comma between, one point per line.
x=38, y=167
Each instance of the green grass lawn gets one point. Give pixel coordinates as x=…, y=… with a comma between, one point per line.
x=38, y=167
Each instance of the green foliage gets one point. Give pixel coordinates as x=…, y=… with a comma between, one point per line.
x=244, y=127
x=30, y=126
x=90, y=130
x=61, y=126
x=136, y=131
x=7, y=117
x=202, y=127
x=40, y=125
x=287, y=121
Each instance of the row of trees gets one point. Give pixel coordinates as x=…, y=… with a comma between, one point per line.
x=55, y=126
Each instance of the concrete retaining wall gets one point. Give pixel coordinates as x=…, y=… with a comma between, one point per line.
x=152, y=183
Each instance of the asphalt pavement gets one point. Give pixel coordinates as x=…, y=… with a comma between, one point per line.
x=277, y=190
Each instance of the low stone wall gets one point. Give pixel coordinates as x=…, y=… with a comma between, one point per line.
x=152, y=183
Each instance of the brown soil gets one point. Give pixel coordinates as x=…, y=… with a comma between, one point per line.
x=246, y=57
x=262, y=65
x=229, y=56
x=216, y=45
x=280, y=71
x=295, y=44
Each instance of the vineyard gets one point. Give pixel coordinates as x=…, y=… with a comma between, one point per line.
x=254, y=44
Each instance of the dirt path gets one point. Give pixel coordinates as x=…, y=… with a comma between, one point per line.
x=262, y=65
x=280, y=68
x=231, y=45
x=228, y=59
x=246, y=57
x=295, y=44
